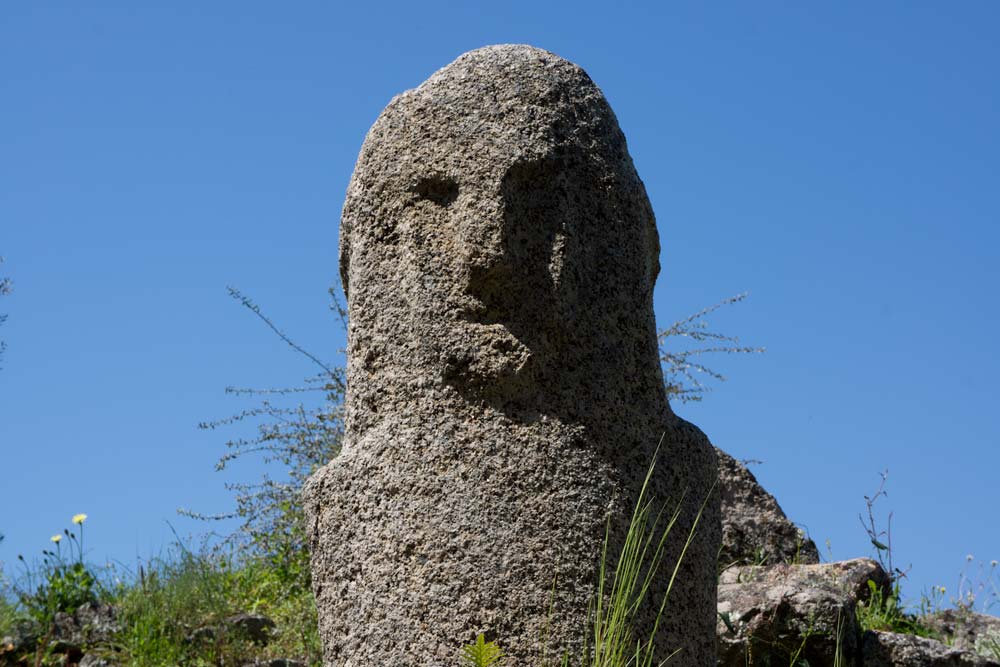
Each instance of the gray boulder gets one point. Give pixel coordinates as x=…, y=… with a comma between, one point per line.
x=755, y=530
x=890, y=649
x=966, y=629
x=784, y=613
x=66, y=638
x=251, y=627
x=505, y=397
x=92, y=624
x=97, y=623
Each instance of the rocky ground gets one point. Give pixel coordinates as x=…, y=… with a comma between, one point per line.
x=779, y=606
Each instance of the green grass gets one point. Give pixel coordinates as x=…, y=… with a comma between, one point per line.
x=882, y=611
x=620, y=596
x=175, y=596
x=162, y=605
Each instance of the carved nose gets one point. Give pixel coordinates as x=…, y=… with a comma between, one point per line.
x=484, y=238
x=488, y=267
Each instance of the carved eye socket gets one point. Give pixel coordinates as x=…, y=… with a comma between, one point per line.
x=438, y=189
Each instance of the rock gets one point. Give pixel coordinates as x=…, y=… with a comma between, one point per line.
x=965, y=629
x=202, y=635
x=249, y=627
x=96, y=660
x=849, y=576
x=22, y=642
x=782, y=612
x=256, y=629
x=92, y=624
x=890, y=649
x=25, y=637
x=98, y=623
x=64, y=626
x=754, y=528
x=66, y=637
x=505, y=396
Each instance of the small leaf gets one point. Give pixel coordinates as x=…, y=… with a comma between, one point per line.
x=482, y=653
x=879, y=545
x=724, y=615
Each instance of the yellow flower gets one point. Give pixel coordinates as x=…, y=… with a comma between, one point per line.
x=79, y=518
x=56, y=538
x=943, y=590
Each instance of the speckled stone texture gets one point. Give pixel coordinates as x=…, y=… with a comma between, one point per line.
x=504, y=393
x=755, y=531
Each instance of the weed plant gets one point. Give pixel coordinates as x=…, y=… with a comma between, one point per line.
x=882, y=611
x=60, y=582
x=619, y=597
x=978, y=587
x=885, y=611
x=481, y=653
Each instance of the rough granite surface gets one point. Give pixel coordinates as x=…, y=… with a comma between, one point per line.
x=964, y=628
x=755, y=531
x=505, y=397
x=772, y=614
x=889, y=649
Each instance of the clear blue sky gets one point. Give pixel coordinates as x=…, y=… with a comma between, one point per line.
x=840, y=163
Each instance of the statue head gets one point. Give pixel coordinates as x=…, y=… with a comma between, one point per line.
x=496, y=238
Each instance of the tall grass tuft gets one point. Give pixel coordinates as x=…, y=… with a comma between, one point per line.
x=621, y=595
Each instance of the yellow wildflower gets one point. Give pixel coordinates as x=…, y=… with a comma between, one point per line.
x=79, y=518
x=56, y=538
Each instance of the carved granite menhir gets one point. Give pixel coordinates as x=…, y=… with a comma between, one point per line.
x=504, y=392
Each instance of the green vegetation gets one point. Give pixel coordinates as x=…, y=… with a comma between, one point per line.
x=181, y=609
x=176, y=612
x=884, y=611
x=297, y=438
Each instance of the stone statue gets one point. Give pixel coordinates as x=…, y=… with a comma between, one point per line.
x=505, y=397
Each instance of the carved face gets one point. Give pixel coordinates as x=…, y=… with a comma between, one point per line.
x=488, y=226
x=490, y=254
